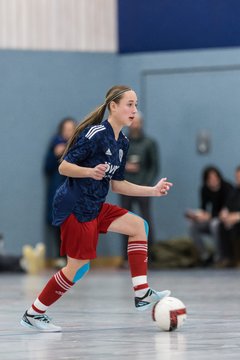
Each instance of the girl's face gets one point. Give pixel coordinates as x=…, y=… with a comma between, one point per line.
x=213, y=181
x=68, y=129
x=125, y=111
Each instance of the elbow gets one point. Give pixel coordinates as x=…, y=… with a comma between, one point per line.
x=116, y=186
x=61, y=169
x=113, y=187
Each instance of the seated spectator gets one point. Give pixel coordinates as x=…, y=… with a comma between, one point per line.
x=214, y=193
x=230, y=227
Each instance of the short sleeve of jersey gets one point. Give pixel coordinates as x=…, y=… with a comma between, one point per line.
x=81, y=150
x=119, y=174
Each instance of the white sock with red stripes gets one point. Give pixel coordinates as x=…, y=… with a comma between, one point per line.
x=140, y=285
x=55, y=288
x=138, y=261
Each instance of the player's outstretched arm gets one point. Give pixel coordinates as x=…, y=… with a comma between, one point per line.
x=72, y=170
x=126, y=188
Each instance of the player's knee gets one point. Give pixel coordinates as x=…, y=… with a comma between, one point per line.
x=81, y=272
x=146, y=227
x=142, y=228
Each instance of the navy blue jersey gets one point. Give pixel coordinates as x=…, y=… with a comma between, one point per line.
x=84, y=197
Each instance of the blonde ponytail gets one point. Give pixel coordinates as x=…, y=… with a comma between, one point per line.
x=96, y=116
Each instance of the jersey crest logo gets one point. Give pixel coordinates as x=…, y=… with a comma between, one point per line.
x=120, y=155
x=108, y=152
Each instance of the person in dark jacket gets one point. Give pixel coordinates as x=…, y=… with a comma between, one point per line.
x=214, y=194
x=230, y=227
x=54, y=179
x=142, y=168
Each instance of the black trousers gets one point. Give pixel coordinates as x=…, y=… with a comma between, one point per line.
x=143, y=205
x=230, y=242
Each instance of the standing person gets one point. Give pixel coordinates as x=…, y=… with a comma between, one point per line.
x=230, y=227
x=94, y=158
x=54, y=178
x=142, y=168
x=214, y=193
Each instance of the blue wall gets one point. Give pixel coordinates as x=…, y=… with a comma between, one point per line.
x=37, y=90
x=179, y=93
x=156, y=25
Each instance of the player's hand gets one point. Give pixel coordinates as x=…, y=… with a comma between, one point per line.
x=162, y=187
x=98, y=171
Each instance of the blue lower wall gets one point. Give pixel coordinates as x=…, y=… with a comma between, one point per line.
x=182, y=93
x=37, y=90
x=179, y=93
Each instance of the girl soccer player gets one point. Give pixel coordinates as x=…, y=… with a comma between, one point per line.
x=94, y=158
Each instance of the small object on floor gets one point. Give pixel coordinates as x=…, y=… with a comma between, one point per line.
x=40, y=252
x=169, y=313
x=59, y=263
x=39, y=322
x=33, y=259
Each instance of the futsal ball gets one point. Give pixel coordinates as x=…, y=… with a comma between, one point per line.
x=169, y=313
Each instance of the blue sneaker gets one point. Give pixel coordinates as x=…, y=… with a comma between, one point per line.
x=151, y=297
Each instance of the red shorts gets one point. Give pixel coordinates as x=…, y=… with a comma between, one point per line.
x=79, y=239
